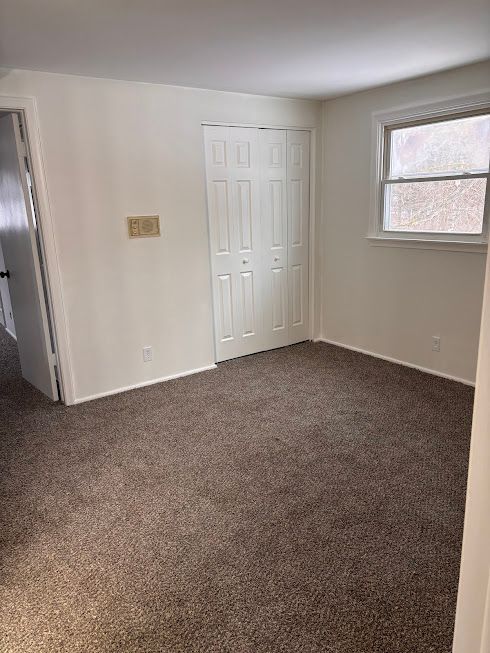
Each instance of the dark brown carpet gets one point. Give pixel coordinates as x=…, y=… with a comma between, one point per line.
x=306, y=499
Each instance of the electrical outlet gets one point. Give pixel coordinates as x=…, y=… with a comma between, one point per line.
x=436, y=343
x=147, y=354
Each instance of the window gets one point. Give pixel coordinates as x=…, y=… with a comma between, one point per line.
x=433, y=175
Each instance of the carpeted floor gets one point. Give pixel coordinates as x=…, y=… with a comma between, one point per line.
x=306, y=499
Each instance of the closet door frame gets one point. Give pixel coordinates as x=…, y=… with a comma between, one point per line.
x=312, y=215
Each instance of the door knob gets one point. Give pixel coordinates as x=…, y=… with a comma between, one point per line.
x=245, y=260
x=5, y=274
x=276, y=258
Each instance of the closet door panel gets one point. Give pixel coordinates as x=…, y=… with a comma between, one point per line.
x=233, y=188
x=298, y=180
x=258, y=186
x=245, y=164
x=225, y=308
x=274, y=212
x=279, y=299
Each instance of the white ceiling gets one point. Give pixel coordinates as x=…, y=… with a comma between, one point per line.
x=296, y=48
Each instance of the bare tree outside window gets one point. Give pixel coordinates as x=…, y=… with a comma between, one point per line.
x=436, y=176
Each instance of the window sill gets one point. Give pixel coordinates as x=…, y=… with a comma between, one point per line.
x=419, y=243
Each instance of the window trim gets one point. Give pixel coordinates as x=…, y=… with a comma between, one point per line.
x=407, y=116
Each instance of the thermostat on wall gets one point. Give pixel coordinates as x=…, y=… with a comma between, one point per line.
x=143, y=226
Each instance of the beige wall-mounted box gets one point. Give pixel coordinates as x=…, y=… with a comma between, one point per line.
x=143, y=226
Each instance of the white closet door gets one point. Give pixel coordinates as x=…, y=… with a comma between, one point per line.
x=274, y=214
x=232, y=164
x=298, y=181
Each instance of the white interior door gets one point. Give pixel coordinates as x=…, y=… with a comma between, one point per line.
x=274, y=217
x=19, y=245
x=298, y=174
x=232, y=164
x=258, y=189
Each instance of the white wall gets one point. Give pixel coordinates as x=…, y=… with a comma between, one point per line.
x=6, y=306
x=390, y=301
x=472, y=631
x=113, y=149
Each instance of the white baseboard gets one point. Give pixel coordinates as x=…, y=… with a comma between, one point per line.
x=99, y=395
x=398, y=362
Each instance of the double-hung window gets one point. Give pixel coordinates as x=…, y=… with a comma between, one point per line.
x=433, y=178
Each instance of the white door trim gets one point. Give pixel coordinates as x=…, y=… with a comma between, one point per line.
x=312, y=229
x=27, y=107
x=312, y=215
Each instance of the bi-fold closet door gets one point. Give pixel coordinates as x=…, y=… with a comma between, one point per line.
x=258, y=204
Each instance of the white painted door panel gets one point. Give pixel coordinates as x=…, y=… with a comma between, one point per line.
x=19, y=244
x=274, y=214
x=232, y=165
x=298, y=181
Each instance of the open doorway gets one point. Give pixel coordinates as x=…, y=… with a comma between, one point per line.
x=25, y=307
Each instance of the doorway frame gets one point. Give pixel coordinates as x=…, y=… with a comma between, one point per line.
x=311, y=221
x=27, y=108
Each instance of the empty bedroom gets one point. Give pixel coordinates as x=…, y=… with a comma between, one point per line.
x=244, y=326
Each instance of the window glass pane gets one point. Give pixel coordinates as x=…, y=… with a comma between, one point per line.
x=453, y=207
x=441, y=147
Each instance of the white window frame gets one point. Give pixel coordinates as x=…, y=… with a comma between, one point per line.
x=408, y=116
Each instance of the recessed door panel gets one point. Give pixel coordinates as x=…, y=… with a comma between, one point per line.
x=248, y=303
x=279, y=283
x=296, y=212
x=218, y=153
x=274, y=154
x=297, y=295
x=220, y=216
x=277, y=213
x=296, y=155
x=225, y=295
x=244, y=191
x=242, y=153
